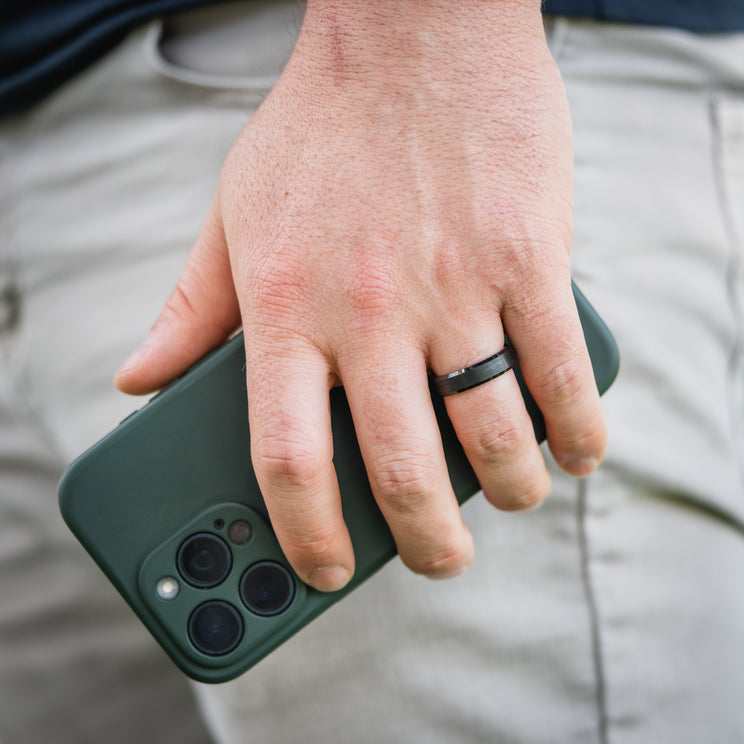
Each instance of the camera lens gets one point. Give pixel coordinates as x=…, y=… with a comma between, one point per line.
x=204, y=560
x=215, y=628
x=267, y=588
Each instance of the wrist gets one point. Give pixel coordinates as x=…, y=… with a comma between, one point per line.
x=375, y=15
x=368, y=39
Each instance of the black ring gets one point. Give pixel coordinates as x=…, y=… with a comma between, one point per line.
x=476, y=374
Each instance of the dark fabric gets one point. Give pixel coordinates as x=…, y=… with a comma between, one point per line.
x=706, y=16
x=45, y=42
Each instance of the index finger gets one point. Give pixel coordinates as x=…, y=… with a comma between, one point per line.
x=292, y=453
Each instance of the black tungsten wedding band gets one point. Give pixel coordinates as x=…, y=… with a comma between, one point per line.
x=476, y=374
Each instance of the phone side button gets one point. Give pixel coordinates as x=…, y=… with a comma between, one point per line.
x=126, y=418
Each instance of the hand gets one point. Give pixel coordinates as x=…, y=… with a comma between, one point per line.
x=401, y=199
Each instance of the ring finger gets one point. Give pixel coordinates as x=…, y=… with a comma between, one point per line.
x=493, y=425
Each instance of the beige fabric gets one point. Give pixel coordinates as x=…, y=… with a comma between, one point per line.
x=613, y=614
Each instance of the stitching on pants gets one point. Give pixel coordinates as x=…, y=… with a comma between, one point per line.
x=591, y=603
x=732, y=268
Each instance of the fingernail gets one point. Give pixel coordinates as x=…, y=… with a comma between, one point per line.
x=329, y=578
x=451, y=574
x=581, y=467
x=134, y=358
x=531, y=507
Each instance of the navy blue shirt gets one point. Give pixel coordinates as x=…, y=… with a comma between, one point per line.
x=706, y=16
x=45, y=42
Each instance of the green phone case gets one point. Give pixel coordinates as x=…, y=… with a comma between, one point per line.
x=181, y=466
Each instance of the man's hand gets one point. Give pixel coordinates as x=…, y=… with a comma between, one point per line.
x=400, y=201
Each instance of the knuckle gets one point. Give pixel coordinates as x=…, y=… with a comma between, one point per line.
x=442, y=562
x=563, y=383
x=179, y=306
x=374, y=287
x=310, y=549
x=494, y=440
x=187, y=303
x=522, y=500
x=533, y=240
x=278, y=287
x=403, y=482
x=288, y=462
x=450, y=266
x=590, y=439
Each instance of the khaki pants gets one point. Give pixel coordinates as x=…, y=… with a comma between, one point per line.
x=613, y=614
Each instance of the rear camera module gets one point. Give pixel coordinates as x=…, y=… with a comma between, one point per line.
x=215, y=628
x=204, y=560
x=267, y=588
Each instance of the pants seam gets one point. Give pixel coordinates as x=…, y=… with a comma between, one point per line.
x=590, y=596
x=733, y=240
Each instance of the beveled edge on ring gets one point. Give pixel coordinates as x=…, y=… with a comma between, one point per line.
x=476, y=374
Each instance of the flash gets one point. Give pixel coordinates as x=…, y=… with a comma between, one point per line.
x=240, y=532
x=167, y=588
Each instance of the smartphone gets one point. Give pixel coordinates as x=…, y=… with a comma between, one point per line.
x=168, y=506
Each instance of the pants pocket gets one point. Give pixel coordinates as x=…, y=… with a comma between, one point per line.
x=241, y=46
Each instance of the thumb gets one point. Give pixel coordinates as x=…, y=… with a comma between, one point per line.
x=200, y=314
